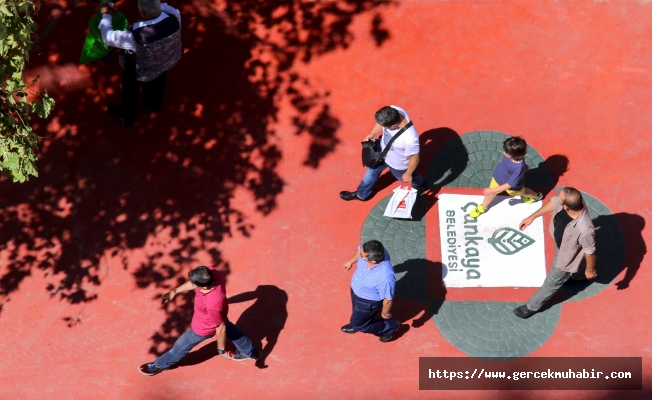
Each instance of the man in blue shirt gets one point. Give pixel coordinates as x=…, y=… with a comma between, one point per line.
x=372, y=289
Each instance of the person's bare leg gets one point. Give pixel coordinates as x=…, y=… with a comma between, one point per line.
x=488, y=199
x=530, y=193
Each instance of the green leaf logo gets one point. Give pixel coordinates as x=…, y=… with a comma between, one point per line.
x=509, y=241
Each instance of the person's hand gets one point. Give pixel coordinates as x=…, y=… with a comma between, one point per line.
x=590, y=274
x=348, y=265
x=386, y=315
x=226, y=355
x=417, y=323
x=407, y=178
x=167, y=297
x=525, y=223
x=622, y=284
x=106, y=9
x=488, y=191
x=369, y=137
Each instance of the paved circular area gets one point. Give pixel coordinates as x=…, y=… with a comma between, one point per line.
x=490, y=329
x=487, y=329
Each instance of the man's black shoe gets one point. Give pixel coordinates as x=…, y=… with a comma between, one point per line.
x=524, y=312
x=116, y=112
x=348, y=329
x=348, y=196
x=387, y=338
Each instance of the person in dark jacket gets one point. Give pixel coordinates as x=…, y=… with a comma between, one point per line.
x=150, y=48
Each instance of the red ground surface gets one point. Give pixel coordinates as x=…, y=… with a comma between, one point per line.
x=260, y=131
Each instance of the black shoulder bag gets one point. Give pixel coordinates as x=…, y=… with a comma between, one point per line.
x=371, y=154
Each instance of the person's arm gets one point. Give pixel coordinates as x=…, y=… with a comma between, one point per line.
x=590, y=272
x=374, y=132
x=239, y=298
x=386, y=291
x=180, y=289
x=545, y=209
x=119, y=39
x=351, y=261
x=220, y=336
x=587, y=241
x=387, y=309
x=414, y=161
x=170, y=10
x=497, y=190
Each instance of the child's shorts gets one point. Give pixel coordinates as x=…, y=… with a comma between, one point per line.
x=518, y=192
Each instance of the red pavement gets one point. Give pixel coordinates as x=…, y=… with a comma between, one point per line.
x=261, y=129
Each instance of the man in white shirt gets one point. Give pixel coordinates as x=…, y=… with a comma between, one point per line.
x=402, y=158
x=150, y=47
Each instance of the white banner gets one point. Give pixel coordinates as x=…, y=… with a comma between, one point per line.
x=490, y=251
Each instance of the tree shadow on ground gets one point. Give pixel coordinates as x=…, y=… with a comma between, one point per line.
x=265, y=319
x=158, y=197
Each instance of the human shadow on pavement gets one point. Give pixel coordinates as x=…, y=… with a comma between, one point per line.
x=420, y=291
x=264, y=319
x=446, y=155
x=632, y=226
x=546, y=175
x=446, y=170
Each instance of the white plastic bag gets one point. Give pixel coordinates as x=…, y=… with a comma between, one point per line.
x=401, y=203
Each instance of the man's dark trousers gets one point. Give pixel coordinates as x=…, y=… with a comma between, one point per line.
x=362, y=319
x=152, y=91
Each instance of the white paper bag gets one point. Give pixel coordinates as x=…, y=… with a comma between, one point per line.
x=401, y=203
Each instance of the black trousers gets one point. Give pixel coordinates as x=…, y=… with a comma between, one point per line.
x=363, y=319
x=152, y=91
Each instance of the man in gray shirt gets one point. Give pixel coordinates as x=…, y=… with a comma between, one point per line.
x=572, y=228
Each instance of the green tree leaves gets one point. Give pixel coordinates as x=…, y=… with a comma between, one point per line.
x=18, y=142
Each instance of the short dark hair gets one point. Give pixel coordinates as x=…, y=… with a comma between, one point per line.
x=388, y=116
x=573, y=198
x=515, y=147
x=201, y=276
x=375, y=250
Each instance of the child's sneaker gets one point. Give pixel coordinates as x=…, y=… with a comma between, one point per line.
x=475, y=213
x=530, y=200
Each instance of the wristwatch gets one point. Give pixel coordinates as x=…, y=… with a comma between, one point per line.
x=220, y=351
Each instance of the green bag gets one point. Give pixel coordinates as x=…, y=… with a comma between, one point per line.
x=94, y=48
